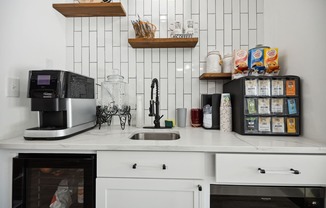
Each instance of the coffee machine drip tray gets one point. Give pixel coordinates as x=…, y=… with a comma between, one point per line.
x=55, y=133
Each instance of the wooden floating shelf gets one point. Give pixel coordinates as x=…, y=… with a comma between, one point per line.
x=90, y=9
x=214, y=76
x=163, y=42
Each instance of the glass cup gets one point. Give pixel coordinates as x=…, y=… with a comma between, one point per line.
x=196, y=117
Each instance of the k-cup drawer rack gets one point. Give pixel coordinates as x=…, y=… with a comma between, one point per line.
x=265, y=105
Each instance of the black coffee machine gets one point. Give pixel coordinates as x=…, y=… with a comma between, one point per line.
x=64, y=101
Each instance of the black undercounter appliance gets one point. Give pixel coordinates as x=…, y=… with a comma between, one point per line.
x=54, y=180
x=64, y=101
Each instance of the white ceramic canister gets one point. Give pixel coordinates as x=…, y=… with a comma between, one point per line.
x=214, y=62
x=227, y=63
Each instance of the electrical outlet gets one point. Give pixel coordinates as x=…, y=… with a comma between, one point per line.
x=13, y=86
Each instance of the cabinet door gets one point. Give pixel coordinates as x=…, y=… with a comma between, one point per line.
x=147, y=193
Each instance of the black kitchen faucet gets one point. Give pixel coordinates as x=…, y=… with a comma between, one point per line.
x=157, y=105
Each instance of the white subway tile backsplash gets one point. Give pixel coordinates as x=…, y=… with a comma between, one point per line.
x=97, y=45
x=252, y=14
x=179, y=93
x=187, y=78
x=235, y=14
x=187, y=104
x=195, y=6
x=163, y=94
x=260, y=28
x=93, y=46
x=227, y=6
x=211, y=6
x=92, y=23
x=228, y=29
x=100, y=62
x=124, y=46
x=179, y=62
x=244, y=29
x=260, y=6
x=203, y=15
x=219, y=14
x=195, y=62
x=163, y=63
x=195, y=95
x=171, y=78
x=116, y=31
x=85, y=31
x=108, y=21
x=77, y=24
x=179, y=6
x=77, y=46
x=100, y=31
x=252, y=38
x=163, y=7
x=171, y=106
x=148, y=7
x=116, y=58
x=108, y=47
x=156, y=71
x=203, y=46
x=244, y=6
x=85, y=61
x=140, y=77
x=211, y=30
x=148, y=62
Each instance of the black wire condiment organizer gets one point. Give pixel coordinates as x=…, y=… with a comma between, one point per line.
x=104, y=114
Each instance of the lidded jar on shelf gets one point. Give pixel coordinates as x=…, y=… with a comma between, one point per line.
x=115, y=92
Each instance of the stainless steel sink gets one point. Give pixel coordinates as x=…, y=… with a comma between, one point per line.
x=155, y=136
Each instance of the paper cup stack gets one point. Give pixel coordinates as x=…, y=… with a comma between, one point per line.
x=226, y=113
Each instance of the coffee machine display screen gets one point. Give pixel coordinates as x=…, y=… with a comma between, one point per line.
x=43, y=79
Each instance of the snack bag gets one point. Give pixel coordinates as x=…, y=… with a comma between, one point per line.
x=256, y=62
x=271, y=61
x=240, y=68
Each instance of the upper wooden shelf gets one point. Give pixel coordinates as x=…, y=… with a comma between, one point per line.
x=90, y=9
x=214, y=76
x=163, y=42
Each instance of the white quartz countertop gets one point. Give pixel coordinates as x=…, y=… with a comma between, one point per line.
x=192, y=140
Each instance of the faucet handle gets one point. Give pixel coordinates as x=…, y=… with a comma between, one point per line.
x=151, y=108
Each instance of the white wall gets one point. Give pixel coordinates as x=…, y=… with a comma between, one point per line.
x=298, y=29
x=32, y=37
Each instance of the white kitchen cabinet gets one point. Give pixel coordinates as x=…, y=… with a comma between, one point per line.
x=149, y=179
x=271, y=169
x=147, y=193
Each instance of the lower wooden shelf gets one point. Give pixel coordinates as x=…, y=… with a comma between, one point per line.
x=163, y=42
x=214, y=76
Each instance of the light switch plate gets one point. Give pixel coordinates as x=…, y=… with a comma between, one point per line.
x=13, y=86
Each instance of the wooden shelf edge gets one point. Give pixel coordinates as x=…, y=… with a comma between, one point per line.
x=212, y=76
x=90, y=9
x=163, y=42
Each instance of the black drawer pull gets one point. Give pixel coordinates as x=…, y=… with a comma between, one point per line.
x=134, y=166
x=164, y=167
x=262, y=171
x=296, y=172
x=200, y=188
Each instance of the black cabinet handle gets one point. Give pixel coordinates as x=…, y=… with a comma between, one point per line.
x=134, y=166
x=164, y=167
x=200, y=188
x=262, y=171
x=296, y=172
